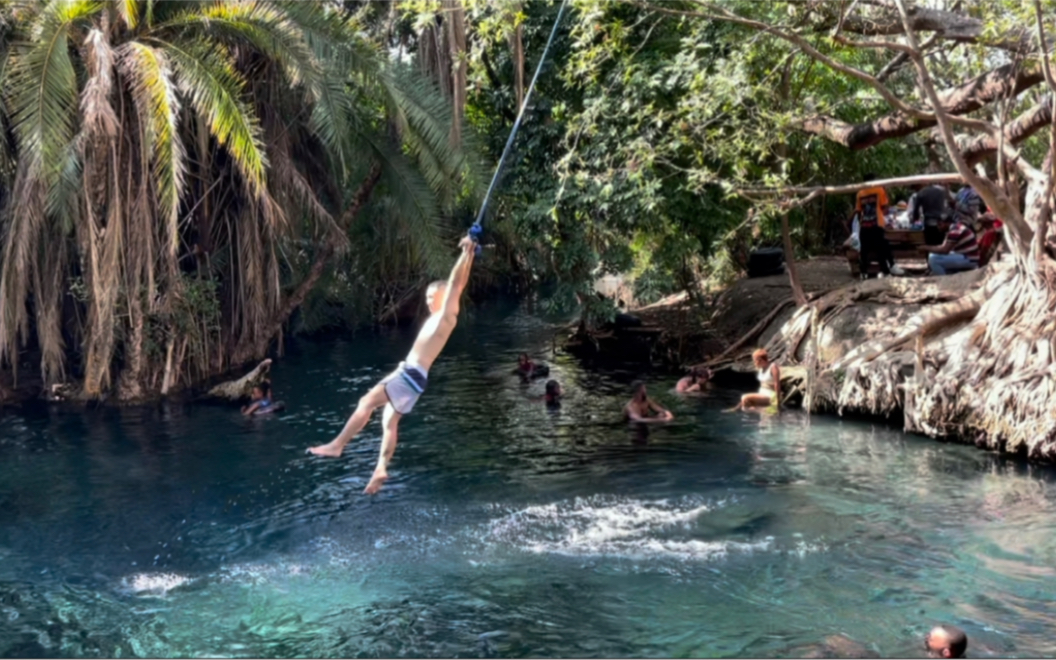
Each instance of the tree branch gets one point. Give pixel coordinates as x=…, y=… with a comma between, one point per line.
x=878, y=45
x=990, y=193
x=903, y=57
x=1022, y=127
x=1045, y=63
x=920, y=179
x=947, y=25
x=1003, y=82
x=720, y=14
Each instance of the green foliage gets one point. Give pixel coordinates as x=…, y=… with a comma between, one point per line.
x=200, y=160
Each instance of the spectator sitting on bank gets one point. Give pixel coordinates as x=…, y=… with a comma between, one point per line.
x=769, y=377
x=989, y=236
x=969, y=203
x=946, y=642
x=959, y=251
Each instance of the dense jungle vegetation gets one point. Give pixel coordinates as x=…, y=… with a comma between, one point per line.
x=183, y=184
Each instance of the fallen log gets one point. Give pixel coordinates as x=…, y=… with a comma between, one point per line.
x=235, y=390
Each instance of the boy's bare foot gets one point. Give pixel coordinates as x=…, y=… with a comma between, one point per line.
x=331, y=449
x=376, y=481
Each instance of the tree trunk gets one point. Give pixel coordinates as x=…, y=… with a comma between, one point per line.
x=790, y=260
x=517, y=55
x=254, y=350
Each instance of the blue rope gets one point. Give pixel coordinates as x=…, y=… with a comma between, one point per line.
x=475, y=230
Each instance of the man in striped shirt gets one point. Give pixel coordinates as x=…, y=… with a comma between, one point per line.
x=960, y=250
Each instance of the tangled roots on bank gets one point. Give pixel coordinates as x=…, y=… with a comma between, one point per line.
x=971, y=356
x=997, y=380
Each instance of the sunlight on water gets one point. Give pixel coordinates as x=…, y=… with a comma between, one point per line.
x=508, y=530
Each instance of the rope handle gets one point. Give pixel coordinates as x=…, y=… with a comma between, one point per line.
x=475, y=231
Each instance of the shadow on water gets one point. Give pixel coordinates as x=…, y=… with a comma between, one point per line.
x=507, y=529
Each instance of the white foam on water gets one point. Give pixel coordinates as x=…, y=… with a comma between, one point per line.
x=153, y=584
x=616, y=527
x=258, y=573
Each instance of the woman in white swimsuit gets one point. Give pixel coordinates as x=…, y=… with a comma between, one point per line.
x=769, y=383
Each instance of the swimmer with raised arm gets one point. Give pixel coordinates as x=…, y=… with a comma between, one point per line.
x=399, y=391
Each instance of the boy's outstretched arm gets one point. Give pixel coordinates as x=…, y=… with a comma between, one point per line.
x=456, y=282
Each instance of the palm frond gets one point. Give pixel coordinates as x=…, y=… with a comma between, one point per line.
x=424, y=119
x=154, y=94
x=417, y=205
x=128, y=10
x=97, y=115
x=259, y=24
x=21, y=236
x=209, y=80
x=43, y=87
x=336, y=40
x=334, y=121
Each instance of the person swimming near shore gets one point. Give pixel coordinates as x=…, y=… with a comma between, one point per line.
x=527, y=369
x=399, y=391
x=525, y=366
x=695, y=381
x=769, y=376
x=946, y=641
x=553, y=394
x=643, y=409
x=261, y=402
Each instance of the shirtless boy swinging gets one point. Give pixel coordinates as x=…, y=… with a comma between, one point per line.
x=399, y=391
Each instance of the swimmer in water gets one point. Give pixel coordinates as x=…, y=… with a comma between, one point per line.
x=643, y=409
x=399, y=391
x=695, y=381
x=525, y=366
x=261, y=402
x=946, y=642
x=553, y=394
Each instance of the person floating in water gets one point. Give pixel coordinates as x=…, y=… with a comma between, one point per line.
x=553, y=394
x=527, y=369
x=695, y=381
x=399, y=391
x=261, y=402
x=643, y=409
x=946, y=641
x=769, y=384
x=525, y=366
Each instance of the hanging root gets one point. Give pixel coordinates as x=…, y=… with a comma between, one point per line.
x=982, y=367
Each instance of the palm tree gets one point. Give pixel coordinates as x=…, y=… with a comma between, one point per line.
x=187, y=171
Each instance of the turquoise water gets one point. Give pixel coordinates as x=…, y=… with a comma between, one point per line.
x=507, y=530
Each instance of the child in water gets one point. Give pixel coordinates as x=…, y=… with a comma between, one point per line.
x=261, y=402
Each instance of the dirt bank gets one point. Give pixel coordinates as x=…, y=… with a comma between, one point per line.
x=676, y=333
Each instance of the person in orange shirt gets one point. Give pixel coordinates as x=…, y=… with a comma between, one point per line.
x=869, y=207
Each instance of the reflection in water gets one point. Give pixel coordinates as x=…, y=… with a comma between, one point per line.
x=508, y=528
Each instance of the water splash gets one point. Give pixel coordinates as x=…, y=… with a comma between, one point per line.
x=153, y=584
x=617, y=527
